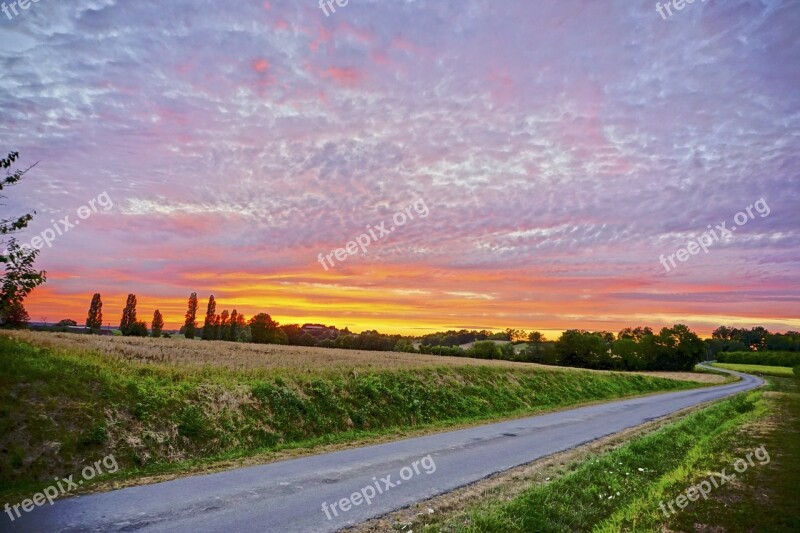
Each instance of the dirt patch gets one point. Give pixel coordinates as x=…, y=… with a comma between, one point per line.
x=700, y=377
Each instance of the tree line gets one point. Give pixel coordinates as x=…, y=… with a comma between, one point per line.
x=725, y=339
x=675, y=348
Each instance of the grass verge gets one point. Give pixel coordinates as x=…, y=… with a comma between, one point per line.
x=622, y=490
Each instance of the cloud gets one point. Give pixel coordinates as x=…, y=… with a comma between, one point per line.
x=559, y=147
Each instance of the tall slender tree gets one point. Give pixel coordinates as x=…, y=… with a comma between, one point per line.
x=224, y=326
x=208, y=323
x=216, y=328
x=94, y=320
x=190, y=325
x=234, y=329
x=128, y=315
x=158, y=324
x=20, y=277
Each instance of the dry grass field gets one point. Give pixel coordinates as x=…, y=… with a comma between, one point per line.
x=245, y=356
x=185, y=353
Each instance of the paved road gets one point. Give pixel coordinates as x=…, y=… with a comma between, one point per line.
x=288, y=496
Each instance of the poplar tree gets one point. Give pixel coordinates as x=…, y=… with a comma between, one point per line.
x=94, y=321
x=224, y=326
x=190, y=325
x=158, y=324
x=128, y=315
x=208, y=323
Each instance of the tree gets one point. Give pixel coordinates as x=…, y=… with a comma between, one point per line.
x=66, y=322
x=216, y=327
x=635, y=333
x=94, y=319
x=128, y=315
x=264, y=330
x=516, y=334
x=190, y=325
x=536, y=337
x=20, y=277
x=629, y=353
x=137, y=329
x=508, y=352
x=16, y=316
x=583, y=349
x=681, y=349
x=239, y=329
x=224, y=326
x=405, y=345
x=158, y=324
x=484, y=350
x=208, y=323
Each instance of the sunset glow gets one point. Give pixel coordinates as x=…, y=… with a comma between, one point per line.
x=561, y=151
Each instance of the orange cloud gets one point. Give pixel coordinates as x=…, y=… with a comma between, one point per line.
x=260, y=65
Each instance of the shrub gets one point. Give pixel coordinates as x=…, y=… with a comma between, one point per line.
x=484, y=350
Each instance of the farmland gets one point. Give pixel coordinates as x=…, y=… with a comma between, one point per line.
x=169, y=405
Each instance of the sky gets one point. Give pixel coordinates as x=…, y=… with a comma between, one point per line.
x=548, y=157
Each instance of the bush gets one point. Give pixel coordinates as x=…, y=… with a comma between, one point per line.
x=138, y=329
x=484, y=350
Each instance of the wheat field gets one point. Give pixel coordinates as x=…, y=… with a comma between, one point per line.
x=196, y=354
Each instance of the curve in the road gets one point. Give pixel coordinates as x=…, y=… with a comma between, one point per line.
x=288, y=496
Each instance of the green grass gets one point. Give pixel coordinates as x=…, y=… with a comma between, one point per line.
x=620, y=490
x=765, y=497
x=61, y=410
x=780, y=371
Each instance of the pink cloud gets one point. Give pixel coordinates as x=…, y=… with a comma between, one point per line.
x=343, y=76
x=260, y=65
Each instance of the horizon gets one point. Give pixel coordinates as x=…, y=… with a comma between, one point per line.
x=570, y=166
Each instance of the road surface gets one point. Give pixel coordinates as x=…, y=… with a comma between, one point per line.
x=288, y=496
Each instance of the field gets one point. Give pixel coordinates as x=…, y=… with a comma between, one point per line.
x=171, y=405
x=269, y=360
x=780, y=371
x=256, y=359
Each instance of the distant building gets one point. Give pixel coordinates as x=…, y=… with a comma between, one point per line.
x=49, y=326
x=320, y=331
